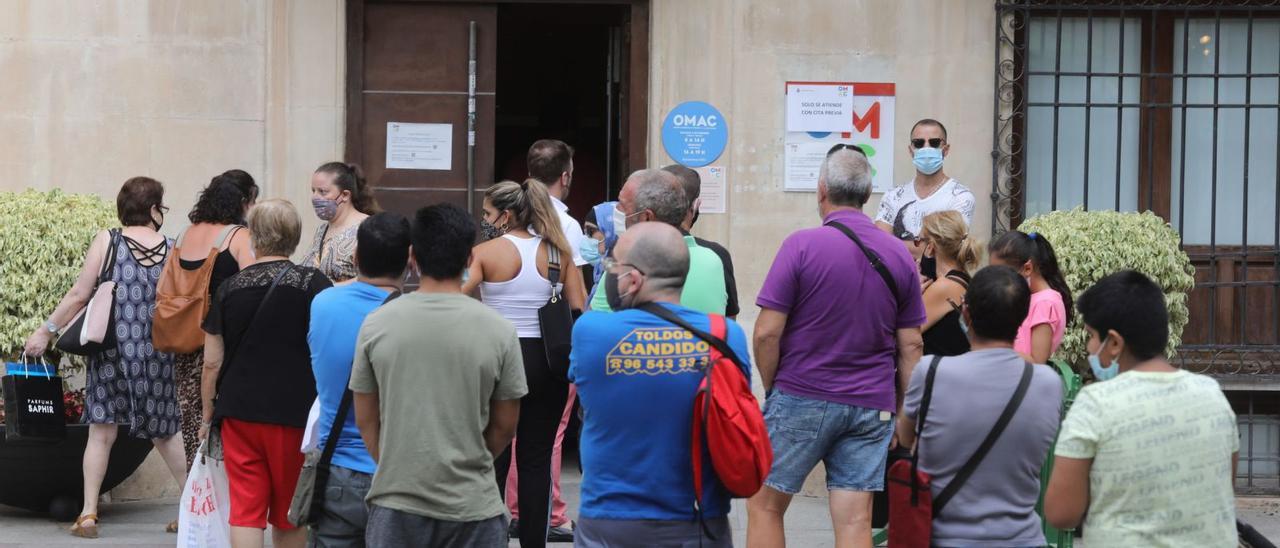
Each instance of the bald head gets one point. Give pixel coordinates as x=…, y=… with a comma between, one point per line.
x=659, y=251
x=653, y=195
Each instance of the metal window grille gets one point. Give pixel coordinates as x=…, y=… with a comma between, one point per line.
x=1173, y=107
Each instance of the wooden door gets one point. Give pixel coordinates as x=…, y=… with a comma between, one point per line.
x=408, y=63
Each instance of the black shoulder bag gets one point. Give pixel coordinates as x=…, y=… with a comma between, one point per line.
x=77, y=338
x=875, y=260
x=556, y=319
x=213, y=447
x=971, y=465
x=305, y=508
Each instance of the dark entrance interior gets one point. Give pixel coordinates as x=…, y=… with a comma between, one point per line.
x=558, y=68
x=500, y=75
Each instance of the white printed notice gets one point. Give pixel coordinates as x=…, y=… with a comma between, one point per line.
x=419, y=146
x=870, y=128
x=713, y=189
x=819, y=106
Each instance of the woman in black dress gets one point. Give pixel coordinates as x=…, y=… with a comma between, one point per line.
x=945, y=237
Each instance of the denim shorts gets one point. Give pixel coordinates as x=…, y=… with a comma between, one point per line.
x=851, y=441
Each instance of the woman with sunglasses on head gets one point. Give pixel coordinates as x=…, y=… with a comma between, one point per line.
x=511, y=270
x=945, y=238
x=902, y=209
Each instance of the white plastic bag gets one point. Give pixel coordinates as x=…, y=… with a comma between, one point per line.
x=205, y=506
x=311, y=435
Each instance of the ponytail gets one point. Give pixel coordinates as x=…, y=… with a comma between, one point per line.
x=530, y=207
x=969, y=254
x=1047, y=262
x=350, y=177
x=950, y=236
x=1020, y=247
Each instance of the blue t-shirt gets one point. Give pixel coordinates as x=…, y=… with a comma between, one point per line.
x=637, y=375
x=336, y=316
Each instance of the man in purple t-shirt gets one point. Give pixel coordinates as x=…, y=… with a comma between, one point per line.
x=830, y=334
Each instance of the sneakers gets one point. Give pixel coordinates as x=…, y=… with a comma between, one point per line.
x=562, y=533
x=556, y=534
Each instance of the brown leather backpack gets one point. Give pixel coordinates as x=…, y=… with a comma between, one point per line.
x=182, y=300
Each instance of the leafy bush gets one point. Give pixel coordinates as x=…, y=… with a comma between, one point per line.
x=1093, y=244
x=43, y=240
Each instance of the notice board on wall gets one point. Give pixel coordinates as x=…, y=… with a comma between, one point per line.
x=823, y=114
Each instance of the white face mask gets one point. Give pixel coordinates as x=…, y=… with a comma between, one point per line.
x=619, y=221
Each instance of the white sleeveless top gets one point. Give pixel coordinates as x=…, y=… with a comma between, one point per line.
x=519, y=298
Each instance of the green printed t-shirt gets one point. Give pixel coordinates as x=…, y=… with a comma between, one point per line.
x=704, y=288
x=1161, y=445
x=436, y=361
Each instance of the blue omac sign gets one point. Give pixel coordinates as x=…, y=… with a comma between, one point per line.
x=694, y=134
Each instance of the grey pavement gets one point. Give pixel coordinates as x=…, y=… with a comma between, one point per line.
x=141, y=523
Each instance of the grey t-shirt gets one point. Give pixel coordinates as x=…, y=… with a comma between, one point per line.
x=436, y=361
x=996, y=507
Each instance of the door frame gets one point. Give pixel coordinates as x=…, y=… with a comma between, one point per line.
x=634, y=116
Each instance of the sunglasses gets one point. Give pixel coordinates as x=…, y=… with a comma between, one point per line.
x=935, y=142
x=843, y=146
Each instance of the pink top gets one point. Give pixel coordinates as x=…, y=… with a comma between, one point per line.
x=1046, y=308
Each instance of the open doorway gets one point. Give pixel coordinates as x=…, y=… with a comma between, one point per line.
x=491, y=78
x=558, y=78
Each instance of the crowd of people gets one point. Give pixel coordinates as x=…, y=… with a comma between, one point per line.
x=873, y=334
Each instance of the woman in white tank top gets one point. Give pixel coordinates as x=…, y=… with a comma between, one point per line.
x=510, y=270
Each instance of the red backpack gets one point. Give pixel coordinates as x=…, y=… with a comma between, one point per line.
x=726, y=416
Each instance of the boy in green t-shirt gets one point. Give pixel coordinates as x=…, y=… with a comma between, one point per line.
x=1150, y=453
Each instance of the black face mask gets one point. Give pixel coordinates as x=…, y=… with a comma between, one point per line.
x=489, y=231
x=611, y=295
x=695, y=218
x=929, y=267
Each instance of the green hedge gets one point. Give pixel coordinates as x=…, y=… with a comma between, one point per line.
x=1093, y=244
x=43, y=240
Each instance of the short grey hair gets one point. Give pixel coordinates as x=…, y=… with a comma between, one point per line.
x=847, y=176
x=660, y=192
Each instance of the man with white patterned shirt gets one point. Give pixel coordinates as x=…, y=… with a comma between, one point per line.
x=902, y=210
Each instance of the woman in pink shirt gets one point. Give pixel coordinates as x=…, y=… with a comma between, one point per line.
x=1033, y=256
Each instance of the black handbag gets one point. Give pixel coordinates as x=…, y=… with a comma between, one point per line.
x=33, y=407
x=556, y=320
x=87, y=335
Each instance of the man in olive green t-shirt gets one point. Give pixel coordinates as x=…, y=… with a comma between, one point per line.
x=656, y=195
x=437, y=382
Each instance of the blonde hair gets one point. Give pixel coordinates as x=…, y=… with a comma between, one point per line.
x=274, y=228
x=530, y=206
x=950, y=236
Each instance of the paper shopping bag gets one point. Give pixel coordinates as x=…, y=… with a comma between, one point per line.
x=33, y=407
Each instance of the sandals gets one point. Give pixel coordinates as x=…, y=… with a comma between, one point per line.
x=79, y=529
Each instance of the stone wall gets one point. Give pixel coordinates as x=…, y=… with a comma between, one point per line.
x=95, y=92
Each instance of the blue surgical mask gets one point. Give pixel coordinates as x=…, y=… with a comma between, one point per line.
x=590, y=249
x=1099, y=372
x=927, y=160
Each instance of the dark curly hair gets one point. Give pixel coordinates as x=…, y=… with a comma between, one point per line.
x=243, y=181
x=220, y=203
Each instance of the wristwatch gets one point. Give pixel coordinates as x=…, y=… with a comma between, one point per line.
x=52, y=327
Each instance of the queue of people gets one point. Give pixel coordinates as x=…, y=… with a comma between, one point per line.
x=873, y=334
